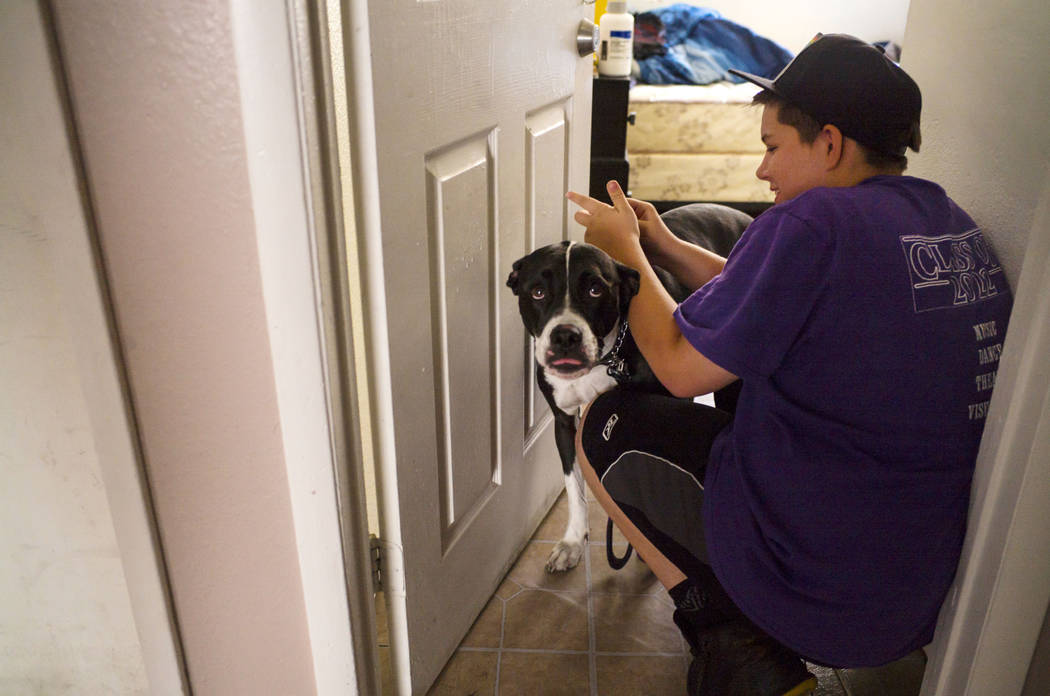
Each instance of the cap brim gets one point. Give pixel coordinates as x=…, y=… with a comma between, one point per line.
x=763, y=82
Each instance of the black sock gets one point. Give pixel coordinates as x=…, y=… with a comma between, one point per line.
x=688, y=596
x=693, y=614
x=704, y=600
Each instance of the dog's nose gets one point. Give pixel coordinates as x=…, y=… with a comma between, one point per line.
x=566, y=337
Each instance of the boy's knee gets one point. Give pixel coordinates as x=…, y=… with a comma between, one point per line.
x=595, y=425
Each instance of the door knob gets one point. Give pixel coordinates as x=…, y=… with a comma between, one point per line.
x=586, y=37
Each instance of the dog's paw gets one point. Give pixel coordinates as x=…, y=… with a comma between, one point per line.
x=565, y=556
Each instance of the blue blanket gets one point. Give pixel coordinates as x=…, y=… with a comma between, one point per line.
x=699, y=47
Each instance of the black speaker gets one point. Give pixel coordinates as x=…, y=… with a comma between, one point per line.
x=609, y=117
x=602, y=170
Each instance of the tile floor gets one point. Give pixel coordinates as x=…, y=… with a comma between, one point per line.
x=590, y=632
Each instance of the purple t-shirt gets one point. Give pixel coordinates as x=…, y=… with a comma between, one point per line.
x=866, y=323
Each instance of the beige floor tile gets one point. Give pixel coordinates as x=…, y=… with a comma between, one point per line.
x=508, y=589
x=468, y=672
x=544, y=674
x=634, y=578
x=541, y=620
x=553, y=525
x=488, y=629
x=530, y=570
x=537, y=615
x=650, y=675
x=634, y=624
x=597, y=521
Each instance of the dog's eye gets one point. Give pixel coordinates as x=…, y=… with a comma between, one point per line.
x=596, y=290
x=538, y=293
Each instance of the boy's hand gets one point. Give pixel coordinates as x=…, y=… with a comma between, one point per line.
x=655, y=235
x=613, y=229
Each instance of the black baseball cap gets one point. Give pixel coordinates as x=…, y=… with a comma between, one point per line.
x=849, y=83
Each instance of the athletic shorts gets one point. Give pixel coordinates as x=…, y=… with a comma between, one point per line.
x=650, y=453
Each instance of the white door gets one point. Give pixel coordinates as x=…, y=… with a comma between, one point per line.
x=482, y=111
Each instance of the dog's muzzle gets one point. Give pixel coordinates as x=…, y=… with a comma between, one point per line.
x=565, y=352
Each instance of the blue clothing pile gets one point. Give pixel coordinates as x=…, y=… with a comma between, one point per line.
x=700, y=47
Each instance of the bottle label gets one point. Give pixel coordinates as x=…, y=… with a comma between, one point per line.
x=616, y=46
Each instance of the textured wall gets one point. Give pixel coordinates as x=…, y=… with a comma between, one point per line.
x=986, y=112
x=66, y=623
x=157, y=105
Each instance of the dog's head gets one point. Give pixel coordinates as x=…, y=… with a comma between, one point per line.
x=572, y=297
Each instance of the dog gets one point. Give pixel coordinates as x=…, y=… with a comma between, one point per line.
x=573, y=299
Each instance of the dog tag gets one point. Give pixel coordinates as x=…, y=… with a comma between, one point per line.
x=618, y=371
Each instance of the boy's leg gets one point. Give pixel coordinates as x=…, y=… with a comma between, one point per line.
x=665, y=571
x=644, y=457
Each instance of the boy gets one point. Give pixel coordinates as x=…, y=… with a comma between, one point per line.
x=862, y=316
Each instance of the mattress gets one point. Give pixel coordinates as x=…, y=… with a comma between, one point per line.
x=695, y=143
x=702, y=176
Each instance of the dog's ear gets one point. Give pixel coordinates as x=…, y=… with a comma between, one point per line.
x=630, y=282
x=512, y=279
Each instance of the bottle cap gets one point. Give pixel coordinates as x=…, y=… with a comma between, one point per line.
x=617, y=6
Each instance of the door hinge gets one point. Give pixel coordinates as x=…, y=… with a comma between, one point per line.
x=375, y=553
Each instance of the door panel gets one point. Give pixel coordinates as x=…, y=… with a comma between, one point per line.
x=482, y=111
x=546, y=180
x=464, y=253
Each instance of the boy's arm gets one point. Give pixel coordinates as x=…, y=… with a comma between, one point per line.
x=682, y=369
x=692, y=265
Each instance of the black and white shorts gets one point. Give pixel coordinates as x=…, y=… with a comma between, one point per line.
x=650, y=453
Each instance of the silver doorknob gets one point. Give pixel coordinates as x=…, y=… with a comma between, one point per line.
x=586, y=37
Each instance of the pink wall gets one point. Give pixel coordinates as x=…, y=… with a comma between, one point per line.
x=187, y=295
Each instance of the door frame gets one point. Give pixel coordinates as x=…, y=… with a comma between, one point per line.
x=362, y=202
x=309, y=112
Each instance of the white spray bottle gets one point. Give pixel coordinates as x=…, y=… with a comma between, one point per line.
x=616, y=40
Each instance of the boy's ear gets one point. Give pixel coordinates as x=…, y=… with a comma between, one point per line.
x=630, y=282
x=833, y=138
x=512, y=279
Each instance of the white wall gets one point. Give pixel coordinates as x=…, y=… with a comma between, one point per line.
x=792, y=23
x=986, y=111
x=159, y=292
x=986, y=139
x=66, y=621
x=181, y=138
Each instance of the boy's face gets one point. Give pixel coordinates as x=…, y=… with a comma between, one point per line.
x=790, y=166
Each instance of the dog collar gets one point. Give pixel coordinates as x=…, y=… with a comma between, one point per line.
x=615, y=365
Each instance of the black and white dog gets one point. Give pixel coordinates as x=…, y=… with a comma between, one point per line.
x=573, y=300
